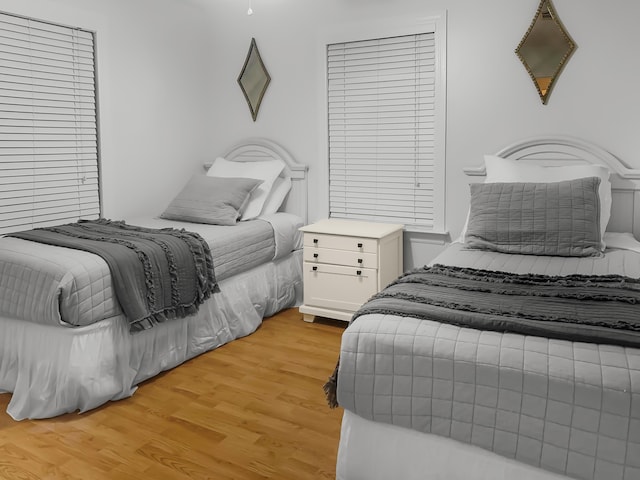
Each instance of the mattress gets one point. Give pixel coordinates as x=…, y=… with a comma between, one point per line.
x=59, y=286
x=568, y=407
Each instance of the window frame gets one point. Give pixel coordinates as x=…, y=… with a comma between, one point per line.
x=397, y=27
x=81, y=165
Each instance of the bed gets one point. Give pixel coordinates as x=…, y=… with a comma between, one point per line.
x=426, y=396
x=65, y=342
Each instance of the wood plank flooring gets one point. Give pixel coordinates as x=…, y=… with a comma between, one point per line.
x=252, y=409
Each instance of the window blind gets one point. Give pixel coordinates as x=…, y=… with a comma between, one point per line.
x=48, y=124
x=382, y=122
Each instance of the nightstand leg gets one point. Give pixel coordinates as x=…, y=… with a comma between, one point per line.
x=308, y=318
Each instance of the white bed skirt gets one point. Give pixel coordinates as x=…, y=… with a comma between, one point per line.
x=379, y=451
x=56, y=370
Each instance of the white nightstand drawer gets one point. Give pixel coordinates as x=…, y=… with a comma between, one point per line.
x=341, y=257
x=340, y=242
x=336, y=286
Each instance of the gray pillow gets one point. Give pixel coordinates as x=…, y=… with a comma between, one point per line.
x=559, y=218
x=214, y=200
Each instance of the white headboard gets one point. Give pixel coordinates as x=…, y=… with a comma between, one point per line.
x=625, y=181
x=256, y=149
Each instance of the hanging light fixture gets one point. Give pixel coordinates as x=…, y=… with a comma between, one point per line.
x=250, y=10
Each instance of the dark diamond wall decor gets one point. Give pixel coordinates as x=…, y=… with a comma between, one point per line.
x=254, y=79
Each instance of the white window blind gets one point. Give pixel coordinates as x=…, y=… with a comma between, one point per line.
x=382, y=120
x=48, y=125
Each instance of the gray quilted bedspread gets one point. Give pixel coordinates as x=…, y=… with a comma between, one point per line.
x=54, y=285
x=568, y=407
x=159, y=274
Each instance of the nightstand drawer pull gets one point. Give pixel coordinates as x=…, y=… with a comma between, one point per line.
x=358, y=272
x=315, y=240
x=359, y=245
x=315, y=269
x=315, y=255
x=360, y=260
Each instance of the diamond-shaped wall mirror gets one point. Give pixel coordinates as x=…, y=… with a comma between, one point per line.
x=254, y=79
x=545, y=49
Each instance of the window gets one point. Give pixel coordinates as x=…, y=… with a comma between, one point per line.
x=48, y=124
x=386, y=118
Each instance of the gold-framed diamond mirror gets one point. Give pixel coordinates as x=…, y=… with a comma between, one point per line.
x=545, y=49
x=254, y=79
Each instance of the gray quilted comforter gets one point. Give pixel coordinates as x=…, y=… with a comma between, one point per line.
x=590, y=308
x=159, y=273
x=572, y=407
x=60, y=286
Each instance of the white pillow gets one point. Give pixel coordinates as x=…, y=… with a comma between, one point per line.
x=276, y=197
x=502, y=170
x=265, y=170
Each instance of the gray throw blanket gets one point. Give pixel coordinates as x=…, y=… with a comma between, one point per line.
x=158, y=274
x=596, y=309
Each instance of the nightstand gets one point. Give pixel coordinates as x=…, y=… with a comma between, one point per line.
x=345, y=263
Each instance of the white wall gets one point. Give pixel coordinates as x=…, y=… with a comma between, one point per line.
x=170, y=100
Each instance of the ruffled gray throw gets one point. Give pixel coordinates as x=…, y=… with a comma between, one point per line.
x=582, y=308
x=158, y=274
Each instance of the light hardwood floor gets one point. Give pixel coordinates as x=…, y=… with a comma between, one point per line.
x=252, y=409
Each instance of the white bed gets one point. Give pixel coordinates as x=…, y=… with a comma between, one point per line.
x=52, y=369
x=372, y=447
